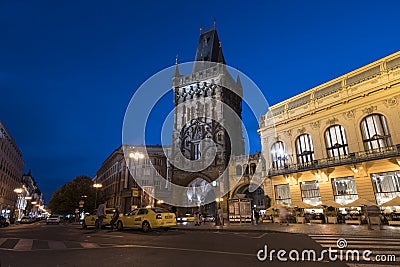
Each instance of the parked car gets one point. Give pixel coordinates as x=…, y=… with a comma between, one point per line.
x=208, y=218
x=186, y=218
x=53, y=219
x=147, y=219
x=4, y=221
x=91, y=219
x=27, y=219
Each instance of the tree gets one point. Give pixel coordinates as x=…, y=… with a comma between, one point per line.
x=65, y=200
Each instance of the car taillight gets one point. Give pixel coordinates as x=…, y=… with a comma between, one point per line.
x=158, y=216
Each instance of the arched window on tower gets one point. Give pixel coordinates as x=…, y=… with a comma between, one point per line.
x=246, y=169
x=253, y=168
x=375, y=132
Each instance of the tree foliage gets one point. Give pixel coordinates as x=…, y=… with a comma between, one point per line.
x=65, y=200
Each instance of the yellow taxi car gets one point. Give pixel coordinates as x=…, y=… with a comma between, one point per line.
x=147, y=219
x=91, y=219
x=186, y=218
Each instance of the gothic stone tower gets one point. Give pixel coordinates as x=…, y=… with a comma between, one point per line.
x=203, y=110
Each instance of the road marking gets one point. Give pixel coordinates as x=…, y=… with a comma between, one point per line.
x=2, y=240
x=89, y=245
x=56, y=245
x=24, y=244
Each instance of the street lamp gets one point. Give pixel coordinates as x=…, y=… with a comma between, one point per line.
x=135, y=156
x=96, y=186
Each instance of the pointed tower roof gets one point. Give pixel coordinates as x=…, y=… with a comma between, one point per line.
x=208, y=50
x=176, y=73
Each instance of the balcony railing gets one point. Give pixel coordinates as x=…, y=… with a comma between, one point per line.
x=352, y=158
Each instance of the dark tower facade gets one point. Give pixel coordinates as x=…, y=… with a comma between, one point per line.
x=207, y=119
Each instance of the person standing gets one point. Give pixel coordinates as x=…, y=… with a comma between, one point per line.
x=114, y=218
x=220, y=216
x=101, y=214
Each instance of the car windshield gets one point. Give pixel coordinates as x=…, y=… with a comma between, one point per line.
x=132, y=212
x=159, y=210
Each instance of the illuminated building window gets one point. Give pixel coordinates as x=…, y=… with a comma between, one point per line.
x=282, y=194
x=304, y=149
x=310, y=192
x=196, y=153
x=278, y=155
x=336, y=141
x=344, y=189
x=386, y=185
x=375, y=132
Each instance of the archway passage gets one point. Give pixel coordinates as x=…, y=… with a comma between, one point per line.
x=200, y=194
x=257, y=197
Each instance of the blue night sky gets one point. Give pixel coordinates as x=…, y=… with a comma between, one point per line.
x=69, y=68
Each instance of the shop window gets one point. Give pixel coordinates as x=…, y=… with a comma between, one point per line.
x=282, y=194
x=310, y=192
x=386, y=186
x=336, y=141
x=375, y=132
x=344, y=190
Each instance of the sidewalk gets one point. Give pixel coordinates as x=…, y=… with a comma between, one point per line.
x=311, y=229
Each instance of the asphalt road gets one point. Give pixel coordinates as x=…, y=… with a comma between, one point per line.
x=39, y=244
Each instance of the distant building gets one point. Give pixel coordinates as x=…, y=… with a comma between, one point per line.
x=118, y=186
x=338, y=141
x=11, y=169
x=33, y=197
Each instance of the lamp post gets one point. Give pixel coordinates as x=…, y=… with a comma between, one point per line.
x=96, y=186
x=135, y=156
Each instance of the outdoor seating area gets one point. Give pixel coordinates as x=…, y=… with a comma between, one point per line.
x=354, y=213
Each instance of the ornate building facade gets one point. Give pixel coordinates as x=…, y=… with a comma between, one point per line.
x=11, y=168
x=338, y=141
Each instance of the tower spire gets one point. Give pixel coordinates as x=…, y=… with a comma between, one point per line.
x=215, y=24
x=176, y=73
x=201, y=29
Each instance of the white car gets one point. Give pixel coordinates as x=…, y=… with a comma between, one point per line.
x=53, y=219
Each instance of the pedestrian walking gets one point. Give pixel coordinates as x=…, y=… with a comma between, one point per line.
x=197, y=218
x=114, y=218
x=256, y=216
x=283, y=215
x=220, y=216
x=101, y=214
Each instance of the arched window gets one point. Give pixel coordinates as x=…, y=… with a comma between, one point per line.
x=238, y=170
x=253, y=168
x=304, y=149
x=375, y=132
x=278, y=155
x=336, y=141
x=246, y=169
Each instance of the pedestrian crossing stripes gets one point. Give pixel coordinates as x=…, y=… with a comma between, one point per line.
x=16, y=244
x=388, y=247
